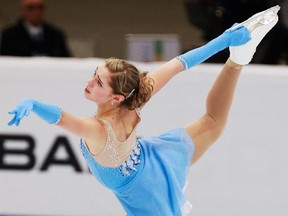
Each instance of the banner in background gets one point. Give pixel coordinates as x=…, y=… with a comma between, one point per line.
x=152, y=47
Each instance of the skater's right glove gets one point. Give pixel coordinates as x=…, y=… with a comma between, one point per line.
x=49, y=113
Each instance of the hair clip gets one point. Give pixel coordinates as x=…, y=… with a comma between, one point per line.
x=129, y=95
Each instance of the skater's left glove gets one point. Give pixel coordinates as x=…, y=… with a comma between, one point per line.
x=228, y=38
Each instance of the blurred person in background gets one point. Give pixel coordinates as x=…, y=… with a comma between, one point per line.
x=31, y=35
x=214, y=16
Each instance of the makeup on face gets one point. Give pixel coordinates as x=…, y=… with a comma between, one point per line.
x=98, y=86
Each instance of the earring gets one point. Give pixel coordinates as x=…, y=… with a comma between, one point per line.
x=112, y=103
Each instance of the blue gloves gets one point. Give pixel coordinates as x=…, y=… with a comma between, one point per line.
x=228, y=38
x=49, y=113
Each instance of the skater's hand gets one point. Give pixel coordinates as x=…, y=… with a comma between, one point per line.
x=237, y=37
x=22, y=109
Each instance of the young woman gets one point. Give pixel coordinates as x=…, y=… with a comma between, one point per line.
x=148, y=174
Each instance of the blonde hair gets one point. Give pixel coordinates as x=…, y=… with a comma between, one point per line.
x=128, y=81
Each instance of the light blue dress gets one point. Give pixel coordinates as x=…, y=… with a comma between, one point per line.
x=151, y=182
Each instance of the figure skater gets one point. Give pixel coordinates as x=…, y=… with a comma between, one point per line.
x=148, y=175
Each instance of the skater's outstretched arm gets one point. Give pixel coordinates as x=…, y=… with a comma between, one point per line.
x=87, y=128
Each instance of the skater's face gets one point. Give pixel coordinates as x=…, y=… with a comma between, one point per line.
x=98, y=88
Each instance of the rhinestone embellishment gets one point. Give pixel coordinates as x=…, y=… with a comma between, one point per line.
x=129, y=166
x=111, y=149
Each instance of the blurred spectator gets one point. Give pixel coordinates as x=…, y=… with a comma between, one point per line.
x=215, y=16
x=32, y=35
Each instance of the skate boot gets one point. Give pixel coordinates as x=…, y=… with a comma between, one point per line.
x=258, y=25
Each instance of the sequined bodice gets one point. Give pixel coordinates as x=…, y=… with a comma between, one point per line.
x=115, y=177
x=115, y=152
x=118, y=158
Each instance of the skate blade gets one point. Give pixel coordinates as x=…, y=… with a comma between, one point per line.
x=262, y=18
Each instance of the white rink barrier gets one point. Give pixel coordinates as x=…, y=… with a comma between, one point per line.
x=42, y=171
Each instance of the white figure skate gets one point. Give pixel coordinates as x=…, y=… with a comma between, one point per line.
x=261, y=18
x=258, y=25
